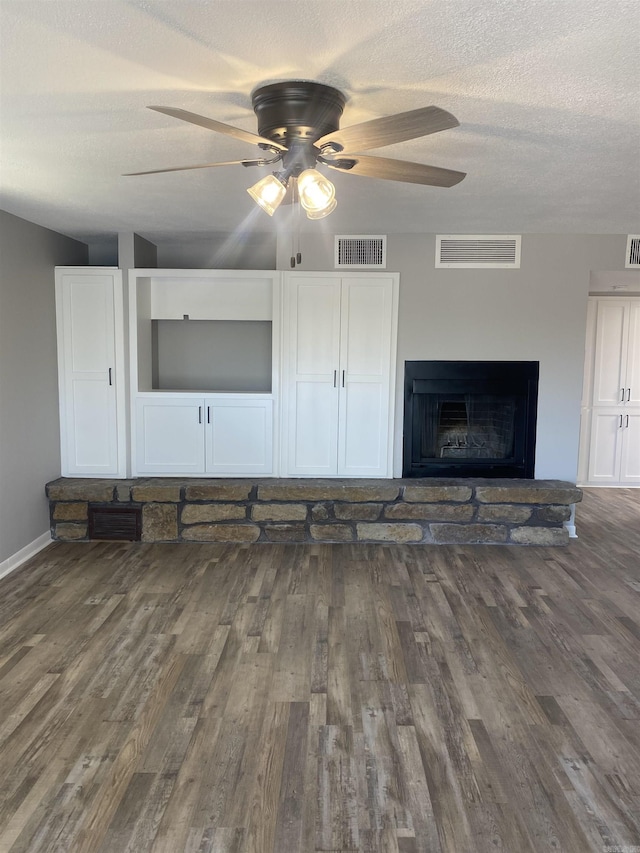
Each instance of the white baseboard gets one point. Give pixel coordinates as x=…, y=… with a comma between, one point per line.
x=24, y=554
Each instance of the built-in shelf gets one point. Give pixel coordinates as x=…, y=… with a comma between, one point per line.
x=227, y=356
x=203, y=330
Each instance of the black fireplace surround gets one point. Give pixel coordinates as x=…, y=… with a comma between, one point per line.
x=470, y=418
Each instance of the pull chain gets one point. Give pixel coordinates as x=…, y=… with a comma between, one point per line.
x=299, y=213
x=293, y=224
x=296, y=256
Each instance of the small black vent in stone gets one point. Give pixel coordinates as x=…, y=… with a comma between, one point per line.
x=120, y=523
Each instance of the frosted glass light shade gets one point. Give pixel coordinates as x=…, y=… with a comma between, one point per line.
x=268, y=193
x=316, y=193
x=320, y=214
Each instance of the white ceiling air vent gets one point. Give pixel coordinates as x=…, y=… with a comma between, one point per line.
x=632, y=258
x=478, y=251
x=359, y=251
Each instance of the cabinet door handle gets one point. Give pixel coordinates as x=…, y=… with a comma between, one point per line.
x=343, y=378
x=627, y=423
x=335, y=378
x=199, y=414
x=110, y=381
x=208, y=414
x=620, y=426
x=622, y=395
x=628, y=394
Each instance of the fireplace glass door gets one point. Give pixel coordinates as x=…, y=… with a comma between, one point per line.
x=466, y=426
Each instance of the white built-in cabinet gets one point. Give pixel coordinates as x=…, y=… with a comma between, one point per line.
x=230, y=372
x=214, y=435
x=610, y=438
x=339, y=345
x=91, y=371
x=196, y=430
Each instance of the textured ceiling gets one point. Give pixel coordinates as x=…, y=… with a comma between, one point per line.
x=546, y=92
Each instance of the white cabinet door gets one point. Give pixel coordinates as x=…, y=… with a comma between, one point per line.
x=365, y=363
x=312, y=353
x=607, y=427
x=614, y=457
x=339, y=363
x=632, y=378
x=88, y=371
x=630, y=455
x=239, y=436
x=616, y=378
x=170, y=435
x=610, y=352
x=610, y=434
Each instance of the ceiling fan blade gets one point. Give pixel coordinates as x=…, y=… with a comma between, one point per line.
x=389, y=129
x=394, y=170
x=201, y=166
x=220, y=127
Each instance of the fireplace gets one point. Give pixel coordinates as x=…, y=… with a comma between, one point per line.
x=470, y=418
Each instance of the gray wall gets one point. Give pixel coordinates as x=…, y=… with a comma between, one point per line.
x=134, y=251
x=212, y=355
x=104, y=253
x=536, y=313
x=29, y=422
x=237, y=251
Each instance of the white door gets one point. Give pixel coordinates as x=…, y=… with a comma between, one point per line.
x=610, y=352
x=239, y=436
x=632, y=378
x=87, y=365
x=169, y=436
x=607, y=426
x=313, y=358
x=365, y=353
x=630, y=456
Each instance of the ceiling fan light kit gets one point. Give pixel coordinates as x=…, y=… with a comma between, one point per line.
x=299, y=126
x=322, y=212
x=268, y=193
x=317, y=194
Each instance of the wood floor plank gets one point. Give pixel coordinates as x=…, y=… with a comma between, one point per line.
x=215, y=698
x=105, y=805
x=288, y=828
x=262, y=807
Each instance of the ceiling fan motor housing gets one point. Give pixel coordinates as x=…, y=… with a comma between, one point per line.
x=297, y=110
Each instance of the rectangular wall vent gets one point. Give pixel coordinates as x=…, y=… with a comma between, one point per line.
x=360, y=251
x=478, y=251
x=119, y=523
x=633, y=251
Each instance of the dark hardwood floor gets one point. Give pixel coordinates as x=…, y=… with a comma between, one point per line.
x=308, y=698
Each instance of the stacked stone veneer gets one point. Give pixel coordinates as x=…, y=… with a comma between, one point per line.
x=523, y=512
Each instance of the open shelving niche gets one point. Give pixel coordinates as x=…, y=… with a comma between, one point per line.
x=203, y=342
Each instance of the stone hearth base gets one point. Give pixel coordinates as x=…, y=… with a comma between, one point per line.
x=430, y=511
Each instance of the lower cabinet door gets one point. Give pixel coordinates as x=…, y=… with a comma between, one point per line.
x=614, y=449
x=630, y=456
x=607, y=429
x=170, y=436
x=239, y=436
x=90, y=428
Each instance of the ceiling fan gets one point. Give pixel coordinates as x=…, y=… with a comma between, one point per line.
x=299, y=128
